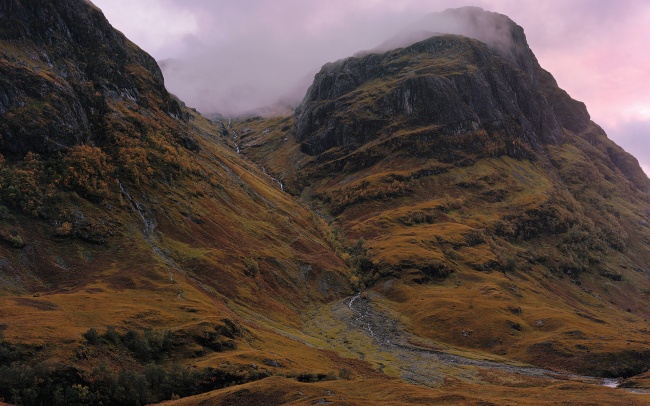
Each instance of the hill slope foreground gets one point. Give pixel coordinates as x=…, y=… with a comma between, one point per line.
x=488, y=223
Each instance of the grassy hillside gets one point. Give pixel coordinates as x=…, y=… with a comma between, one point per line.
x=144, y=258
x=494, y=237
x=133, y=241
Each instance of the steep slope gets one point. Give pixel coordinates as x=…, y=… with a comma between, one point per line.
x=142, y=258
x=135, y=159
x=125, y=217
x=477, y=198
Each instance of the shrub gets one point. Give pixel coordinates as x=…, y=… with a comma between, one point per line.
x=64, y=230
x=144, y=347
x=359, y=258
x=137, y=345
x=436, y=270
x=87, y=171
x=24, y=185
x=61, y=385
x=346, y=373
x=111, y=335
x=17, y=241
x=309, y=377
x=4, y=213
x=222, y=338
x=92, y=336
x=251, y=266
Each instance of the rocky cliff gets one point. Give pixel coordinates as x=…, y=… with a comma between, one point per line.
x=452, y=84
x=63, y=69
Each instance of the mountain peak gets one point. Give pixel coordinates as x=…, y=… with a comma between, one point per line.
x=458, y=160
x=496, y=30
x=453, y=83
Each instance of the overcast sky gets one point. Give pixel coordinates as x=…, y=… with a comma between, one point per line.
x=231, y=56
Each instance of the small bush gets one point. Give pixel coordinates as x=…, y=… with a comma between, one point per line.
x=222, y=338
x=64, y=230
x=319, y=377
x=346, y=373
x=17, y=241
x=4, y=213
x=251, y=266
x=87, y=171
x=152, y=345
x=137, y=345
x=360, y=259
x=92, y=336
x=24, y=186
x=436, y=270
x=111, y=335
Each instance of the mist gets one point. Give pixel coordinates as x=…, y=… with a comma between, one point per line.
x=271, y=64
x=239, y=56
x=269, y=68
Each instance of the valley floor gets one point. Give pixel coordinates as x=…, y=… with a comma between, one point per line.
x=404, y=369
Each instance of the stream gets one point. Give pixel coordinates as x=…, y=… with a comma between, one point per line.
x=419, y=364
x=150, y=224
x=234, y=137
x=274, y=179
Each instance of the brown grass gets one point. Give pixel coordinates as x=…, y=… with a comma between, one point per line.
x=282, y=391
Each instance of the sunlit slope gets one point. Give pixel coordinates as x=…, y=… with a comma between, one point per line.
x=493, y=213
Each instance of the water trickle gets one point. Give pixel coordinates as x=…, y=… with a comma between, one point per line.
x=274, y=179
x=149, y=234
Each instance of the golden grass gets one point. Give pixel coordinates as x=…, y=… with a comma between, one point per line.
x=228, y=243
x=213, y=210
x=501, y=307
x=283, y=391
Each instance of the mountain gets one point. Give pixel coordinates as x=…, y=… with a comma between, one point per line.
x=126, y=218
x=95, y=150
x=490, y=212
x=480, y=223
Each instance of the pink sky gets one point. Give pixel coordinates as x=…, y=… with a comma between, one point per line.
x=241, y=54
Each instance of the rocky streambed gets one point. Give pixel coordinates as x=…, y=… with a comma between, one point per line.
x=357, y=326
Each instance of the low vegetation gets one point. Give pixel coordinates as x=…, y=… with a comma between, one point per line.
x=502, y=236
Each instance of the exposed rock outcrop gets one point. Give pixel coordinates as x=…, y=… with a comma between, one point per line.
x=63, y=67
x=454, y=83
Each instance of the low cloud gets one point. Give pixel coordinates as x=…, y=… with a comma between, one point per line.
x=266, y=68
x=233, y=56
x=491, y=28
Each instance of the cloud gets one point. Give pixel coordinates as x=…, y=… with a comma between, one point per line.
x=488, y=27
x=237, y=55
x=160, y=26
x=594, y=51
x=246, y=54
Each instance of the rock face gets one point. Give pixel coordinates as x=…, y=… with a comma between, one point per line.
x=63, y=67
x=454, y=83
